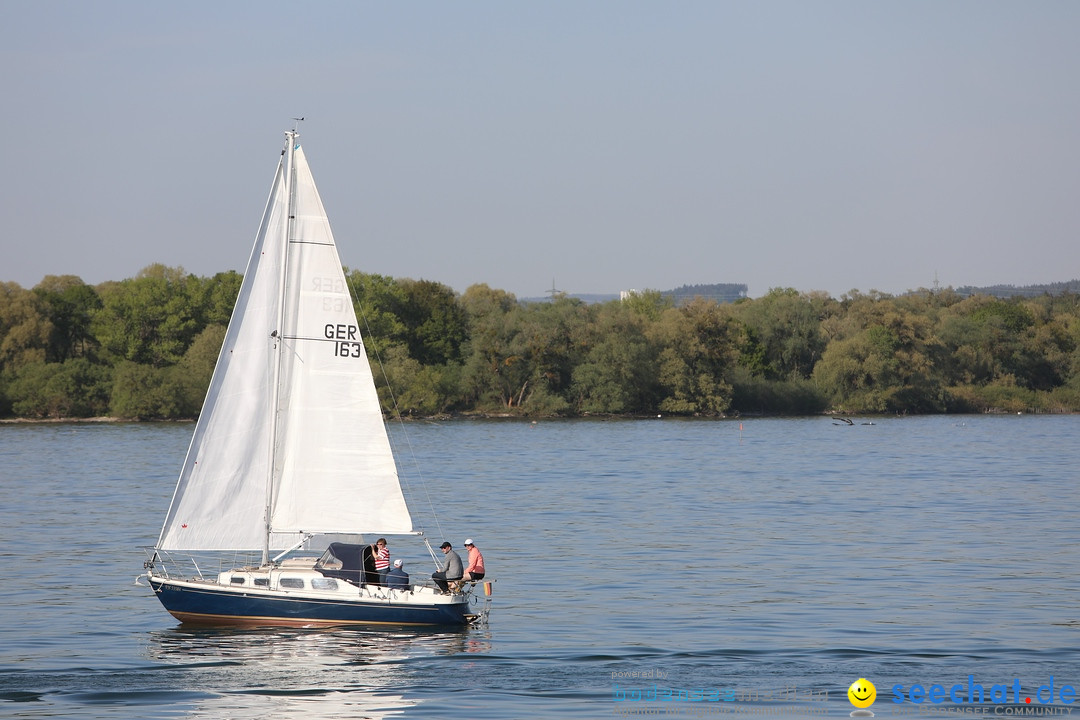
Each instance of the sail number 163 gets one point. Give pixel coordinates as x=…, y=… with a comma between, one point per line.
x=347, y=340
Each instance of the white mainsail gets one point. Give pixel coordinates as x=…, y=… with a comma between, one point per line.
x=293, y=348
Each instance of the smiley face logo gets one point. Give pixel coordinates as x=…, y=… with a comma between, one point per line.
x=862, y=693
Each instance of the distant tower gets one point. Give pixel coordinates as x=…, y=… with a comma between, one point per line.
x=553, y=292
x=937, y=285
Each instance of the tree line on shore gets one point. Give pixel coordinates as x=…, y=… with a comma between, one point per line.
x=145, y=348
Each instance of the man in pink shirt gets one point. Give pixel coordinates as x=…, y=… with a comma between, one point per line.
x=475, y=569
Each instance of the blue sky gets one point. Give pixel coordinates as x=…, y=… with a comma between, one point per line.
x=597, y=145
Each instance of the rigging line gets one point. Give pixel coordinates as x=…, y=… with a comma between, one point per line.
x=401, y=424
x=431, y=552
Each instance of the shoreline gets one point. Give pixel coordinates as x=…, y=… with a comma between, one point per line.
x=100, y=419
x=104, y=419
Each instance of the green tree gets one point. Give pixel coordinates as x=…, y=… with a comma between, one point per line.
x=754, y=394
x=496, y=372
x=25, y=329
x=993, y=339
x=196, y=368
x=377, y=299
x=784, y=331
x=212, y=300
x=698, y=356
x=434, y=322
x=619, y=368
x=648, y=304
x=76, y=388
x=409, y=388
x=150, y=319
x=145, y=392
x=413, y=332
x=69, y=304
x=885, y=367
x=552, y=337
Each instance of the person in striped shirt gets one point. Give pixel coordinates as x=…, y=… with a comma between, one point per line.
x=382, y=561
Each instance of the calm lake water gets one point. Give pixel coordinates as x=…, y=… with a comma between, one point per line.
x=754, y=567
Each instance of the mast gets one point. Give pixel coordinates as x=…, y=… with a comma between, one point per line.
x=289, y=177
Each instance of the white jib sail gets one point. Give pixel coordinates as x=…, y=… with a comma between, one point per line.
x=333, y=470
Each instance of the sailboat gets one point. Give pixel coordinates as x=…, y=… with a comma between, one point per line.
x=290, y=465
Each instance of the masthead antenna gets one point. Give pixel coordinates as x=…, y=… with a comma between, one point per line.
x=296, y=124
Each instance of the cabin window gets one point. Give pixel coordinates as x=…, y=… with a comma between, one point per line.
x=262, y=582
x=324, y=584
x=236, y=580
x=292, y=583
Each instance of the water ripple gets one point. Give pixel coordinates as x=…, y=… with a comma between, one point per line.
x=788, y=554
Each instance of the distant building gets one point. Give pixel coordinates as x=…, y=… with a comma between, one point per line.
x=1027, y=291
x=717, y=292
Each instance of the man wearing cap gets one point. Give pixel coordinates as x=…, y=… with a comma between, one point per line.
x=397, y=578
x=451, y=569
x=475, y=569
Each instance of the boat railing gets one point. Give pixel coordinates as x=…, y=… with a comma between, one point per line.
x=194, y=564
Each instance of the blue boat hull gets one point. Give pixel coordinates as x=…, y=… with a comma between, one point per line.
x=208, y=605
